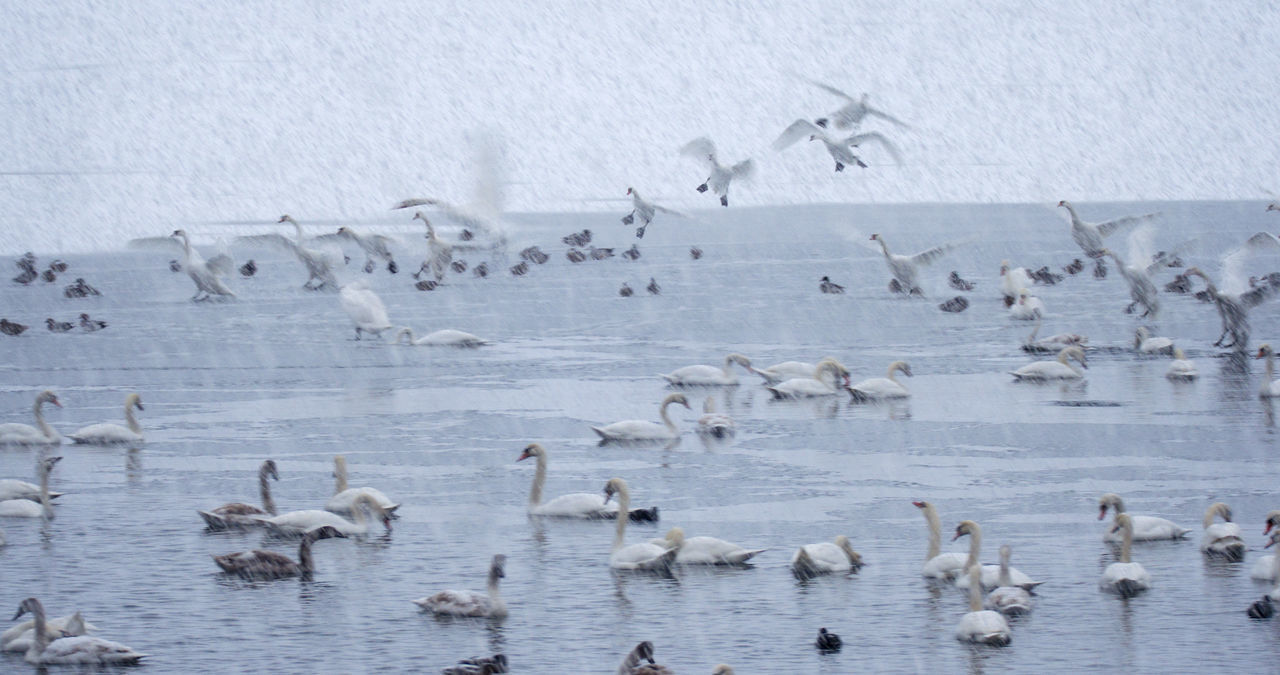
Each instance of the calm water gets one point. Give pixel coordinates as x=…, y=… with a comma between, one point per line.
x=278, y=375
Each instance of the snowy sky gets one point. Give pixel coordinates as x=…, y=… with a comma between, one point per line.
x=128, y=119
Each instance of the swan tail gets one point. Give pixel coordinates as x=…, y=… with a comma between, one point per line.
x=777, y=395
x=744, y=556
x=649, y=515
x=859, y=396
x=669, y=379
x=667, y=559
x=214, y=521
x=603, y=436
x=803, y=567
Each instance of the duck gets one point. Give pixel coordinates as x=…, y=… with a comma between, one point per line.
x=249, y=269
x=318, y=263
x=640, y=556
x=906, y=268
x=704, y=150
x=28, y=508
x=459, y=266
x=90, y=325
x=481, y=271
x=1143, y=528
x=1053, y=343
x=827, y=641
x=1180, y=368
x=626, y=291
x=519, y=269
x=12, y=327
x=588, y=505
x=705, y=550
x=344, y=498
x=296, y=523
x=642, y=430
x=599, y=253
x=577, y=238
x=575, y=256
x=109, y=434
x=58, y=326
x=828, y=286
x=1270, y=385
x=1089, y=236
x=1141, y=289
x=712, y=423
x=653, y=287
x=954, y=305
x=821, y=382
x=990, y=574
x=441, y=338
x=938, y=566
x=644, y=211
x=708, y=375
x=695, y=252
x=882, y=388
x=1059, y=369
x=259, y=564
x=1125, y=578
x=826, y=557
x=1027, y=308
x=958, y=283
x=13, y=433
x=1074, y=267
x=1007, y=599
x=1012, y=281
x=1143, y=343
x=469, y=603
x=982, y=626
x=80, y=649
x=427, y=285
x=79, y=289
x=365, y=309
x=840, y=149
x=1233, y=310
x=632, y=253
x=479, y=665
x=1223, y=539
x=239, y=514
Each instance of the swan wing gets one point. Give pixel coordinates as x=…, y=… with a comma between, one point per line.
x=984, y=626
x=104, y=434
x=272, y=240
x=344, y=501
x=700, y=374
x=944, y=565
x=798, y=130
x=456, y=603
x=927, y=257
x=1262, y=293
x=857, y=139
x=576, y=505
x=832, y=90
x=702, y=149
x=744, y=170
x=220, y=264
x=643, y=555
x=802, y=387
x=1111, y=226
x=88, y=649
x=634, y=430
x=876, y=112
x=880, y=387
x=713, y=551
x=301, y=521
x=824, y=557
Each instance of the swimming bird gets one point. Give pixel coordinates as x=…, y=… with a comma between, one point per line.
x=906, y=268
x=28, y=508
x=427, y=285
x=954, y=305
x=1089, y=236
x=296, y=523
x=828, y=286
x=259, y=564
x=365, y=308
x=695, y=252
x=990, y=574
x=80, y=289
x=712, y=423
x=1059, y=369
x=641, y=430
x=81, y=649
x=1222, y=539
x=1007, y=599
x=821, y=382
x=175, y=266
x=1074, y=267
x=90, y=325
x=11, y=328
x=1027, y=308
x=705, y=550
x=1125, y=578
x=1234, y=309
x=1053, y=343
x=635, y=662
x=344, y=498
x=721, y=176
x=481, y=665
x=982, y=626
x=21, y=636
x=825, y=558
x=1144, y=343
x=1270, y=385
x=827, y=641
x=575, y=256
x=938, y=565
x=626, y=291
x=639, y=556
x=587, y=505
x=644, y=211
x=600, y=253
x=1142, y=528
x=653, y=287
x=469, y=603
x=780, y=372
x=1180, y=368
x=447, y=337
x=882, y=388
x=240, y=514
x=701, y=375
x=854, y=110
x=439, y=252
x=519, y=269
x=108, y=434
x=481, y=271
x=318, y=263
x=41, y=434
x=632, y=253
x=459, y=266
x=840, y=149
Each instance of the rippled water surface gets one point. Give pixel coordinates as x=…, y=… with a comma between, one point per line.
x=277, y=374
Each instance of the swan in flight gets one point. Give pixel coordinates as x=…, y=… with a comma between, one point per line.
x=205, y=274
x=1088, y=236
x=1013, y=280
x=1222, y=539
x=80, y=649
x=1141, y=289
x=13, y=433
x=470, y=603
x=708, y=375
x=840, y=149
x=855, y=110
x=1058, y=369
x=258, y=564
x=439, y=252
x=780, y=372
x=937, y=565
x=344, y=498
x=1270, y=385
x=1027, y=308
x=906, y=268
x=821, y=382
x=990, y=574
x=640, y=556
x=982, y=626
x=1144, y=528
x=881, y=388
x=644, y=211
x=27, y=508
x=317, y=263
x=240, y=514
x=1234, y=309
x=643, y=430
x=712, y=423
x=441, y=338
x=705, y=550
x=826, y=558
x=1053, y=343
x=1144, y=343
x=1180, y=368
x=365, y=308
x=588, y=505
x=1007, y=598
x=296, y=523
x=704, y=150
x=1125, y=578
x=374, y=246
x=108, y=434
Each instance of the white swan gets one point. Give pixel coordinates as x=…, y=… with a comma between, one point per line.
x=206, y=275
x=826, y=558
x=317, y=263
x=1088, y=236
x=1144, y=528
x=1012, y=281
x=13, y=433
x=704, y=150
x=259, y=564
x=439, y=252
x=365, y=308
x=83, y=649
x=1058, y=369
x=1141, y=289
x=1027, y=308
x=447, y=337
x=640, y=556
x=1125, y=578
x=577, y=505
x=643, y=430
x=990, y=573
x=780, y=372
x=296, y=523
x=373, y=245
x=982, y=626
x=840, y=149
x=1270, y=385
x=1007, y=598
x=855, y=110
x=1053, y=343
x=1143, y=343
x=942, y=566
x=107, y=434
x=26, y=508
x=1221, y=539
x=1267, y=567
x=1233, y=310
x=644, y=211
x=239, y=514
x=344, y=498
x=1180, y=368
x=712, y=423
x=708, y=375
x=20, y=637
x=881, y=388
x=11, y=488
x=821, y=382
x=470, y=603
x=705, y=550
x=906, y=268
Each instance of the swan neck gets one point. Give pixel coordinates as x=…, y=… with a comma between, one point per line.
x=403, y=332
x=264, y=489
x=493, y=584
x=1006, y=579
x=935, y=532
x=43, y=425
x=884, y=247
x=975, y=548
x=975, y=588
x=539, y=479
x=666, y=419
x=1126, y=544
x=624, y=508
x=339, y=476
x=45, y=510
x=130, y=420
x=42, y=631
x=304, y=554
x=1035, y=330
x=1271, y=368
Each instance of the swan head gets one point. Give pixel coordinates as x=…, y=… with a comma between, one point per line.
x=1112, y=500
x=324, y=532
x=1196, y=271
x=1064, y=204
x=902, y=367
x=1273, y=520
x=676, y=398
x=1275, y=538
x=47, y=465
x=722, y=669
x=286, y=218
x=631, y=191
x=1178, y=355
x=876, y=237
x=1218, y=509
x=181, y=234
x=29, y=605
x=497, y=567
x=47, y=396
x=339, y=465
x=1264, y=351
x=643, y=650
x=843, y=542
x=1004, y=267
x=740, y=360
x=532, y=450
x=269, y=469
x=675, y=537
x=966, y=527
x=921, y=504
x=614, y=486
x=418, y=215
x=1073, y=352
x=133, y=401
x=1005, y=552
x=372, y=507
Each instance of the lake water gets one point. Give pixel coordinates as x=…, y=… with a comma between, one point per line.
x=277, y=374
